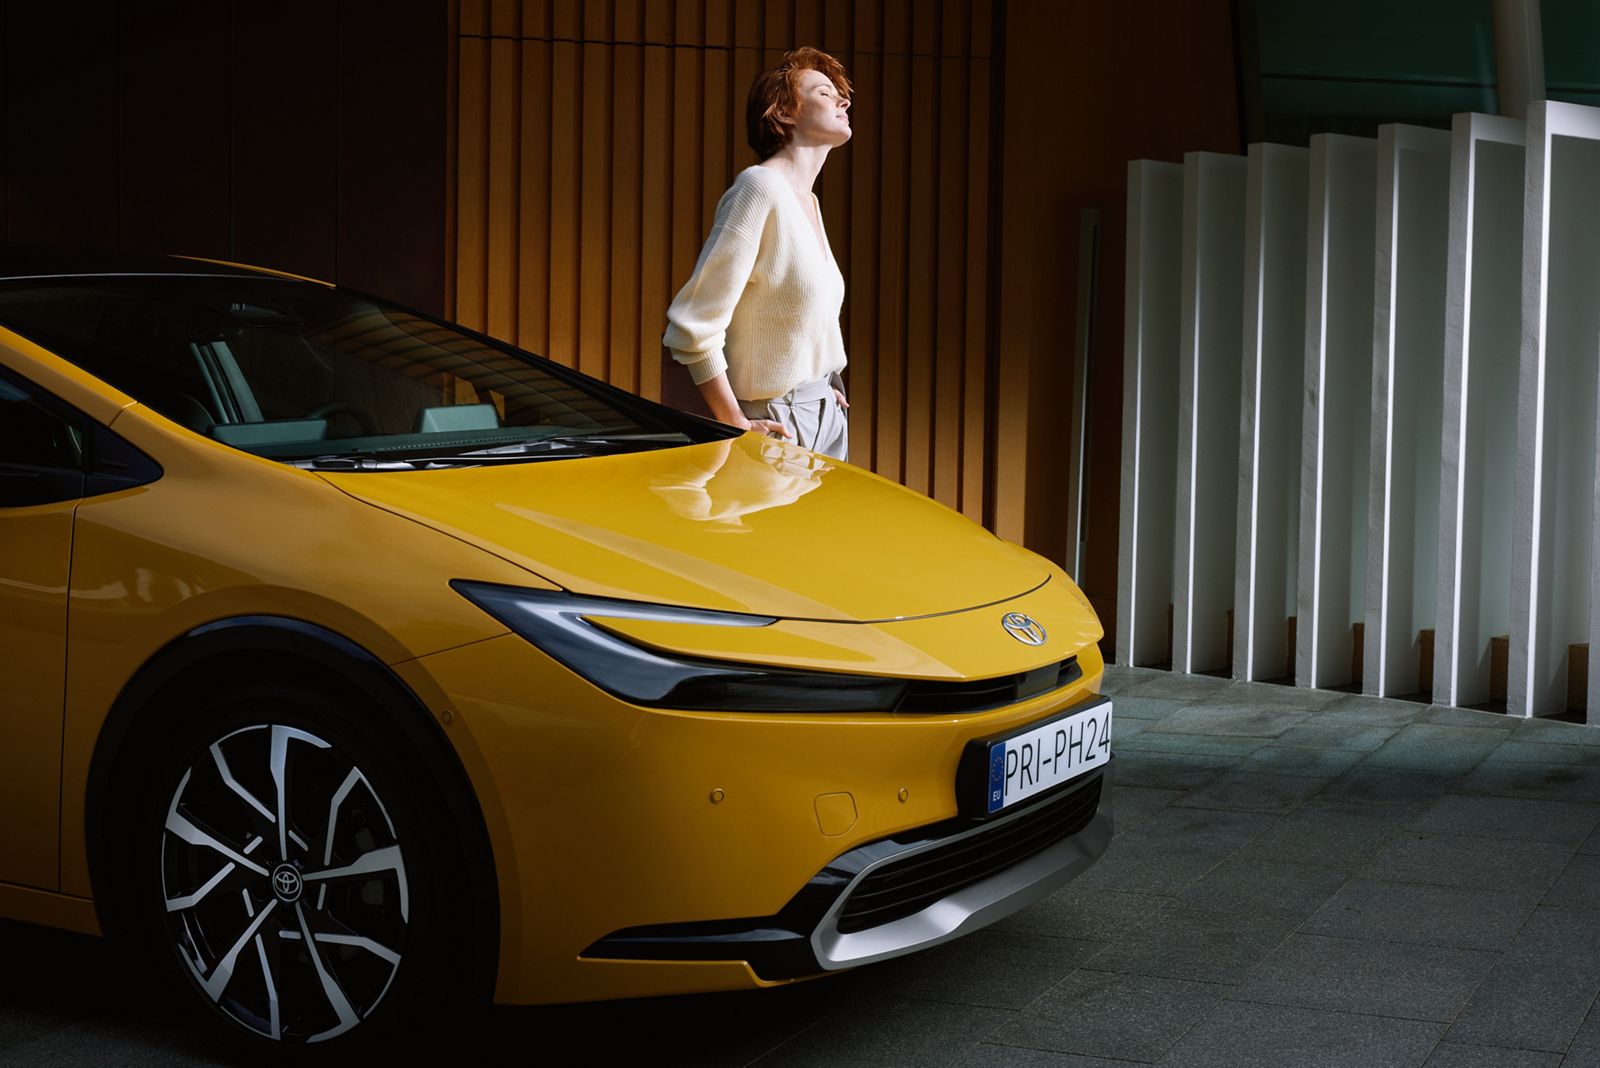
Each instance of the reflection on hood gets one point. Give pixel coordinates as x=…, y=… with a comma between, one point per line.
x=723, y=484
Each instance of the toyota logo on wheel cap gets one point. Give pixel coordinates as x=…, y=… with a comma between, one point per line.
x=1023, y=628
x=286, y=883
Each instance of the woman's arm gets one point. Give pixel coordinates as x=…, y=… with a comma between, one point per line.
x=725, y=407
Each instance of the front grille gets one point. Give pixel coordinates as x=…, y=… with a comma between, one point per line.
x=900, y=888
x=944, y=698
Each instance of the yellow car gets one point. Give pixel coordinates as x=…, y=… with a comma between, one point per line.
x=355, y=661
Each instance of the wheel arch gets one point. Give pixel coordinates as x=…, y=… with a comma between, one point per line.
x=250, y=648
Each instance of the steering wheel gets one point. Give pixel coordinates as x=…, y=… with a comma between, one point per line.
x=357, y=414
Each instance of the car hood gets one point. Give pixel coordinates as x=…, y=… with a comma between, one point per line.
x=746, y=524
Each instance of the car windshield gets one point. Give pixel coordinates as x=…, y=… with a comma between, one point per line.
x=299, y=371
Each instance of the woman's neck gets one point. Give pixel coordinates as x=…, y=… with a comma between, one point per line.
x=799, y=165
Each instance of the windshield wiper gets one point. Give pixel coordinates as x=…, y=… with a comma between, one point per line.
x=560, y=447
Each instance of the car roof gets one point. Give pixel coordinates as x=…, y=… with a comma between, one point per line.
x=44, y=261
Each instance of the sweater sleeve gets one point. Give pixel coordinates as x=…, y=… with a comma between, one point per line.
x=697, y=321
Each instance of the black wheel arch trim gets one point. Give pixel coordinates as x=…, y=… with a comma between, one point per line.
x=355, y=666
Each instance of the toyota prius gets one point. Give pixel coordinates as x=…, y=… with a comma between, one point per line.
x=356, y=662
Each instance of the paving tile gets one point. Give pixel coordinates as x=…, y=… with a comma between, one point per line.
x=1002, y=969
x=1556, y=732
x=1510, y=817
x=1105, y=1014
x=1371, y=711
x=1125, y=728
x=1539, y=994
x=1212, y=718
x=1366, y=976
x=1093, y=915
x=1246, y=791
x=1425, y=915
x=1169, y=771
x=1132, y=706
x=989, y=1054
x=1278, y=759
x=1172, y=849
x=1474, y=863
x=1326, y=834
x=1119, y=679
x=1198, y=944
x=873, y=1029
x=1519, y=752
x=1273, y=695
x=1198, y=744
x=1591, y=845
x=1585, y=1049
x=1249, y=883
x=1318, y=733
x=1391, y=785
x=1458, y=1055
x=1436, y=747
x=1132, y=805
x=1578, y=887
x=1173, y=684
x=1540, y=782
x=1243, y=1035
x=1469, y=717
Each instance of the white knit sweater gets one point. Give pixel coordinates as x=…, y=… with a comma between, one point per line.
x=763, y=302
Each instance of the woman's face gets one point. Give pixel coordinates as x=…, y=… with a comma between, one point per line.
x=823, y=117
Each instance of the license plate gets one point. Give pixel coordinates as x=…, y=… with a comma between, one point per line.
x=1047, y=754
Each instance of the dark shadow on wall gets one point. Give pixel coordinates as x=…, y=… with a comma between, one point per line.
x=306, y=136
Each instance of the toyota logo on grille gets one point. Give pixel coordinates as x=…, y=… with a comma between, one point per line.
x=1023, y=628
x=286, y=883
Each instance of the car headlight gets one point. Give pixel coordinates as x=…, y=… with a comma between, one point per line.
x=561, y=624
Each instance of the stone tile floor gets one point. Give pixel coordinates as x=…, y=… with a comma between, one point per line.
x=1298, y=878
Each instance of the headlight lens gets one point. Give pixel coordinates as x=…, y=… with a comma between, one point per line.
x=562, y=625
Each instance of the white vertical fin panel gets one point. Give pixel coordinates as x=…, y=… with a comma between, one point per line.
x=1208, y=409
x=1483, y=312
x=1555, y=477
x=1335, y=419
x=1149, y=409
x=1078, y=449
x=1272, y=380
x=1412, y=204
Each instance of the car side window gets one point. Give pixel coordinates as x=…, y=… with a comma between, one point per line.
x=42, y=453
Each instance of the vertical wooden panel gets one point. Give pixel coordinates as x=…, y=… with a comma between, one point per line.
x=472, y=179
x=655, y=202
x=502, y=242
x=922, y=256
x=594, y=250
x=533, y=203
x=975, y=350
x=890, y=456
x=626, y=190
x=950, y=331
x=566, y=158
x=866, y=118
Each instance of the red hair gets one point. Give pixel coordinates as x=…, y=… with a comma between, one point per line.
x=775, y=96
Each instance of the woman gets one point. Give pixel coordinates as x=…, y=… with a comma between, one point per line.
x=757, y=324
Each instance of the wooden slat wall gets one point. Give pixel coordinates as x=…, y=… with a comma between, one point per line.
x=593, y=140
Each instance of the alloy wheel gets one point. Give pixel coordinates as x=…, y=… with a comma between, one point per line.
x=284, y=883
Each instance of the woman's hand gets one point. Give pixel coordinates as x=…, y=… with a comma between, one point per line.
x=767, y=426
x=839, y=396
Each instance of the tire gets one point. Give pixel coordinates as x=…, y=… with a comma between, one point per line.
x=330, y=913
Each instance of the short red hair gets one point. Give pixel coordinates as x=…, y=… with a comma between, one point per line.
x=775, y=95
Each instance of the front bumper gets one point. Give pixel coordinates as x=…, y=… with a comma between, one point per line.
x=900, y=894
x=608, y=818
